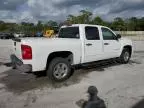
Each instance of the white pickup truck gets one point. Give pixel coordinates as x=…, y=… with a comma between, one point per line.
x=75, y=44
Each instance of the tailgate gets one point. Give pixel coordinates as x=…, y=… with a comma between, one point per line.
x=17, y=47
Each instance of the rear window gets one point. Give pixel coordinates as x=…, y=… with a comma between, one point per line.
x=69, y=32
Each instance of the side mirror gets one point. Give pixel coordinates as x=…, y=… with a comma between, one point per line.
x=118, y=36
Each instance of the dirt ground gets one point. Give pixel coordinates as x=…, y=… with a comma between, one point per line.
x=120, y=85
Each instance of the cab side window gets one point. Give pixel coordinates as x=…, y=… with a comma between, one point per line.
x=92, y=33
x=107, y=34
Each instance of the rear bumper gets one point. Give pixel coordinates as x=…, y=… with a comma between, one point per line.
x=18, y=64
x=15, y=60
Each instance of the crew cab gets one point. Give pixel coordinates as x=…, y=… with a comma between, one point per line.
x=75, y=45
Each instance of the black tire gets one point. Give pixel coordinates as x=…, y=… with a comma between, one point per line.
x=53, y=72
x=125, y=56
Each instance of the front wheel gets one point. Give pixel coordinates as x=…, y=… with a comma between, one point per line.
x=59, y=69
x=125, y=56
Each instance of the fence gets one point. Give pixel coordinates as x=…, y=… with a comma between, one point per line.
x=134, y=35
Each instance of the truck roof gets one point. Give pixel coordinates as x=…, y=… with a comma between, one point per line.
x=73, y=25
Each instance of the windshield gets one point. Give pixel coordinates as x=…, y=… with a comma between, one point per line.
x=69, y=32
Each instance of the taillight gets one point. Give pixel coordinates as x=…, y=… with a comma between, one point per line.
x=26, y=52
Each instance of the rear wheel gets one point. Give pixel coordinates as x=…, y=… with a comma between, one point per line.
x=59, y=69
x=125, y=56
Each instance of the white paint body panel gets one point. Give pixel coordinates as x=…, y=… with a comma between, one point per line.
x=43, y=47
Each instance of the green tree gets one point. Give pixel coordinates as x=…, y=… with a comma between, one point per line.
x=132, y=24
x=39, y=26
x=2, y=26
x=72, y=19
x=141, y=24
x=52, y=23
x=83, y=18
x=98, y=21
x=118, y=24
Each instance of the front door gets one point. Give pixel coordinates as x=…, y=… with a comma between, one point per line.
x=111, y=43
x=93, y=44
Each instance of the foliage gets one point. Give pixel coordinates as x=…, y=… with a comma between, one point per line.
x=118, y=24
x=84, y=17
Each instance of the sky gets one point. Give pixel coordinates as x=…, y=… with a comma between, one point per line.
x=58, y=10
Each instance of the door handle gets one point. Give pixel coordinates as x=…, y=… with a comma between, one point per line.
x=89, y=44
x=106, y=43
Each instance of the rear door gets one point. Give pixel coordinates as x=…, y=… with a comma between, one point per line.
x=93, y=44
x=111, y=43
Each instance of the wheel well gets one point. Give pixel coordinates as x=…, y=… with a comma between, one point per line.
x=63, y=54
x=129, y=47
